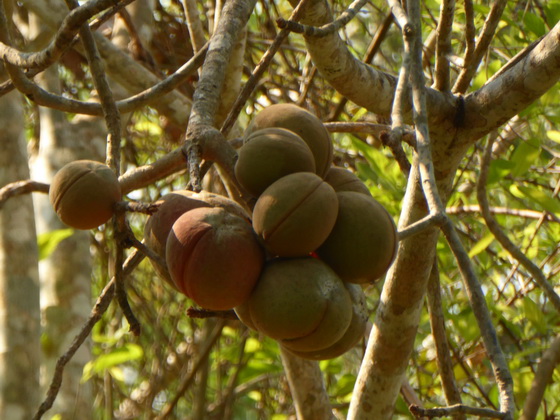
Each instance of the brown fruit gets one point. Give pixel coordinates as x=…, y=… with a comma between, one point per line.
x=171, y=207
x=295, y=214
x=214, y=257
x=83, y=193
x=343, y=180
x=353, y=334
x=304, y=124
x=268, y=155
x=363, y=241
x=301, y=303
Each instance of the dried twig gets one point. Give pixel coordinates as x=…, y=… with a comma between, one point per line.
x=17, y=188
x=61, y=41
x=97, y=312
x=456, y=409
x=324, y=30
x=188, y=379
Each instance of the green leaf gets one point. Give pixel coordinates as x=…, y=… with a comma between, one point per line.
x=524, y=156
x=534, y=23
x=534, y=315
x=554, y=135
x=541, y=197
x=48, y=241
x=126, y=353
x=481, y=245
x=499, y=168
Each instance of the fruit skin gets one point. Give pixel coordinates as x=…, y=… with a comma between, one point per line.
x=295, y=214
x=268, y=155
x=301, y=303
x=304, y=124
x=171, y=207
x=214, y=257
x=363, y=241
x=354, y=333
x=83, y=193
x=343, y=180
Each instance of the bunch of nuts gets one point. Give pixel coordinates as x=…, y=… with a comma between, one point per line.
x=292, y=268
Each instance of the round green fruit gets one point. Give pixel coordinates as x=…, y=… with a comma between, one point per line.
x=295, y=214
x=301, y=303
x=354, y=333
x=304, y=124
x=343, y=180
x=83, y=193
x=363, y=241
x=214, y=257
x=268, y=155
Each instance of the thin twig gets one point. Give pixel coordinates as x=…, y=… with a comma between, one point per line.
x=472, y=62
x=443, y=354
x=327, y=29
x=17, y=188
x=421, y=225
x=201, y=313
x=456, y=409
x=97, y=312
x=187, y=380
x=61, y=41
x=526, y=213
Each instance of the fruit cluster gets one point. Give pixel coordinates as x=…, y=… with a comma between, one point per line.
x=292, y=268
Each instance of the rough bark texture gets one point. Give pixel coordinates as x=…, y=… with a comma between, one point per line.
x=310, y=397
x=19, y=288
x=66, y=273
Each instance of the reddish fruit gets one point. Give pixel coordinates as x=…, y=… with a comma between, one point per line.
x=214, y=257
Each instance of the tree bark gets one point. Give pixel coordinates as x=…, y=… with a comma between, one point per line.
x=19, y=278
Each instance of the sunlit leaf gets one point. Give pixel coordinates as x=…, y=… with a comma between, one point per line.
x=481, y=245
x=553, y=135
x=48, y=241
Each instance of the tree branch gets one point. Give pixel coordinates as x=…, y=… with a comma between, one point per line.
x=504, y=97
x=473, y=60
x=443, y=46
x=550, y=359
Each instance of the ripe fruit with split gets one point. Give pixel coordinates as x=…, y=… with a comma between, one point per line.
x=354, y=333
x=295, y=214
x=304, y=124
x=268, y=155
x=301, y=303
x=363, y=241
x=83, y=193
x=343, y=180
x=214, y=257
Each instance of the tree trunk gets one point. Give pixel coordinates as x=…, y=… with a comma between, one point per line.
x=19, y=278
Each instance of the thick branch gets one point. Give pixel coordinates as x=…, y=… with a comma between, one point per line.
x=543, y=377
x=306, y=384
x=504, y=97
